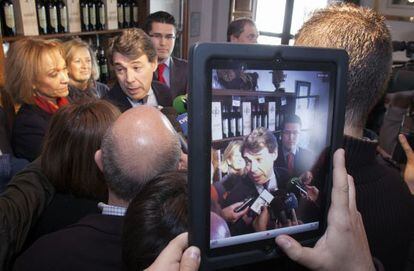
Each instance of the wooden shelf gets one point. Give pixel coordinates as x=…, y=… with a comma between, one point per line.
x=64, y=35
x=237, y=92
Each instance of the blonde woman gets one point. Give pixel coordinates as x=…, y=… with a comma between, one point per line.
x=233, y=161
x=37, y=79
x=83, y=72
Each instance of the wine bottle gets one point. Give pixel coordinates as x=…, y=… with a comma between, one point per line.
x=84, y=15
x=103, y=66
x=62, y=16
x=100, y=15
x=120, y=7
x=7, y=15
x=92, y=15
x=254, y=117
x=232, y=131
x=135, y=15
x=41, y=17
x=127, y=14
x=225, y=122
x=51, y=15
x=239, y=121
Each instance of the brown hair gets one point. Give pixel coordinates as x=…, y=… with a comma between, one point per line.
x=24, y=65
x=71, y=46
x=74, y=135
x=236, y=27
x=258, y=139
x=132, y=43
x=366, y=38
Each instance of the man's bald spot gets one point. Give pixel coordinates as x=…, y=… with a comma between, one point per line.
x=142, y=133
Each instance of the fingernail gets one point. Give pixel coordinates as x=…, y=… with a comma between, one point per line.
x=283, y=242
x=193, y=252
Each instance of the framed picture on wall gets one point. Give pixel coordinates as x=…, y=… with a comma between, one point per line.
x=302, y=88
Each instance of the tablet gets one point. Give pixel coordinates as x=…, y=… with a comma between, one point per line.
x=264, y=122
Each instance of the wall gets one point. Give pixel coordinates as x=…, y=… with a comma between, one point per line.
x=400, y=31
x=208, y=20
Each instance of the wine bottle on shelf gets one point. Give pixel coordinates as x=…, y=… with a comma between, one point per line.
x=62, y=15
x=127, y=13
x=239, y=122
x=135, y=14
x=84, y=15
x=92, y=15
x=7, y=18
x=254, y=117
x=264, y=116
x=225, y=121
x=120, y=8
x=258, y=116
x=100, y=15
x=232, y=119
x=41, y=17
x=51, y=15
x=103, y=66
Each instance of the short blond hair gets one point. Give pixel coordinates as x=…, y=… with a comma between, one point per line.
x=71, y=46
x=132, y=43
x=24, y=65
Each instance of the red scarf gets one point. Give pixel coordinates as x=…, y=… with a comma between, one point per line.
x=48, y=106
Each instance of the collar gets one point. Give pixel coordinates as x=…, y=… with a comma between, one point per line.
x=285, y=151
x=167, y=62
x=150, y=99
x=272, y=184
x=359, y=152
x=112, y=209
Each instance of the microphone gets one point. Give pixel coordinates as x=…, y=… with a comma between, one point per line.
x=278, y=206
x=171, y=115
x=180, y=104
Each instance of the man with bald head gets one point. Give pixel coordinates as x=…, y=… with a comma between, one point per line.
x=140, y=145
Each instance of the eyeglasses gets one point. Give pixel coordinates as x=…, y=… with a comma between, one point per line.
x=294, y=133
x=159, y=36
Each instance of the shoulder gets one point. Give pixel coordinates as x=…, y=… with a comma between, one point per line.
x=163, y=93
x=101, y=89
x=179, y=61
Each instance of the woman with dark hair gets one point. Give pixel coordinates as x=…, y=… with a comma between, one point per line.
x=83, y=71
x=70, y=166
x=37, y=79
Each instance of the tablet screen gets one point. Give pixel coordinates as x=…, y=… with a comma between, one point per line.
x=270, y=129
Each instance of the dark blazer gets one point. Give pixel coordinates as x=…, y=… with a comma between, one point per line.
x=178, y=76
x=64, y=210
x=304, y=161
x=5, y=146
x=243, y=188
x=29, y=129
x=94, y=243
x=117, y=97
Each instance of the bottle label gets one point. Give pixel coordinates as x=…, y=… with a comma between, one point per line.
x=85, y=15
x=102, y=17
x=233, y=126
x=9, y=14
x=128, y=14
x=92, y=14
x=104, y=69
x=135, y=14
x=42, y=18
x=53, y=17
x=64, y=18
x=225, y=127
x=120, y=14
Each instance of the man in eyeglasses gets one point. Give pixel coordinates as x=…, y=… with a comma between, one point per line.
x=172, y=71
x=295, y=159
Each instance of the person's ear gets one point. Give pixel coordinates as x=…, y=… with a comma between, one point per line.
x=274, y=155
x=98, y=159
x=154, y=65
x=233, y=38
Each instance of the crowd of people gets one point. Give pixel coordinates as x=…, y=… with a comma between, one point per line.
x=94, y=177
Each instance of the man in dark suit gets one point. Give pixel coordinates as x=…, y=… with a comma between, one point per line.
x=134, y=59
x=295, y=159
x=172, y=71
x=260, y=151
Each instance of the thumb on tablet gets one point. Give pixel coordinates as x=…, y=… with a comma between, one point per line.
x=297, y=252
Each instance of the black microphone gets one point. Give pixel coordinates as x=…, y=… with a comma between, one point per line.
x=278, y=206
x=171, y=115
